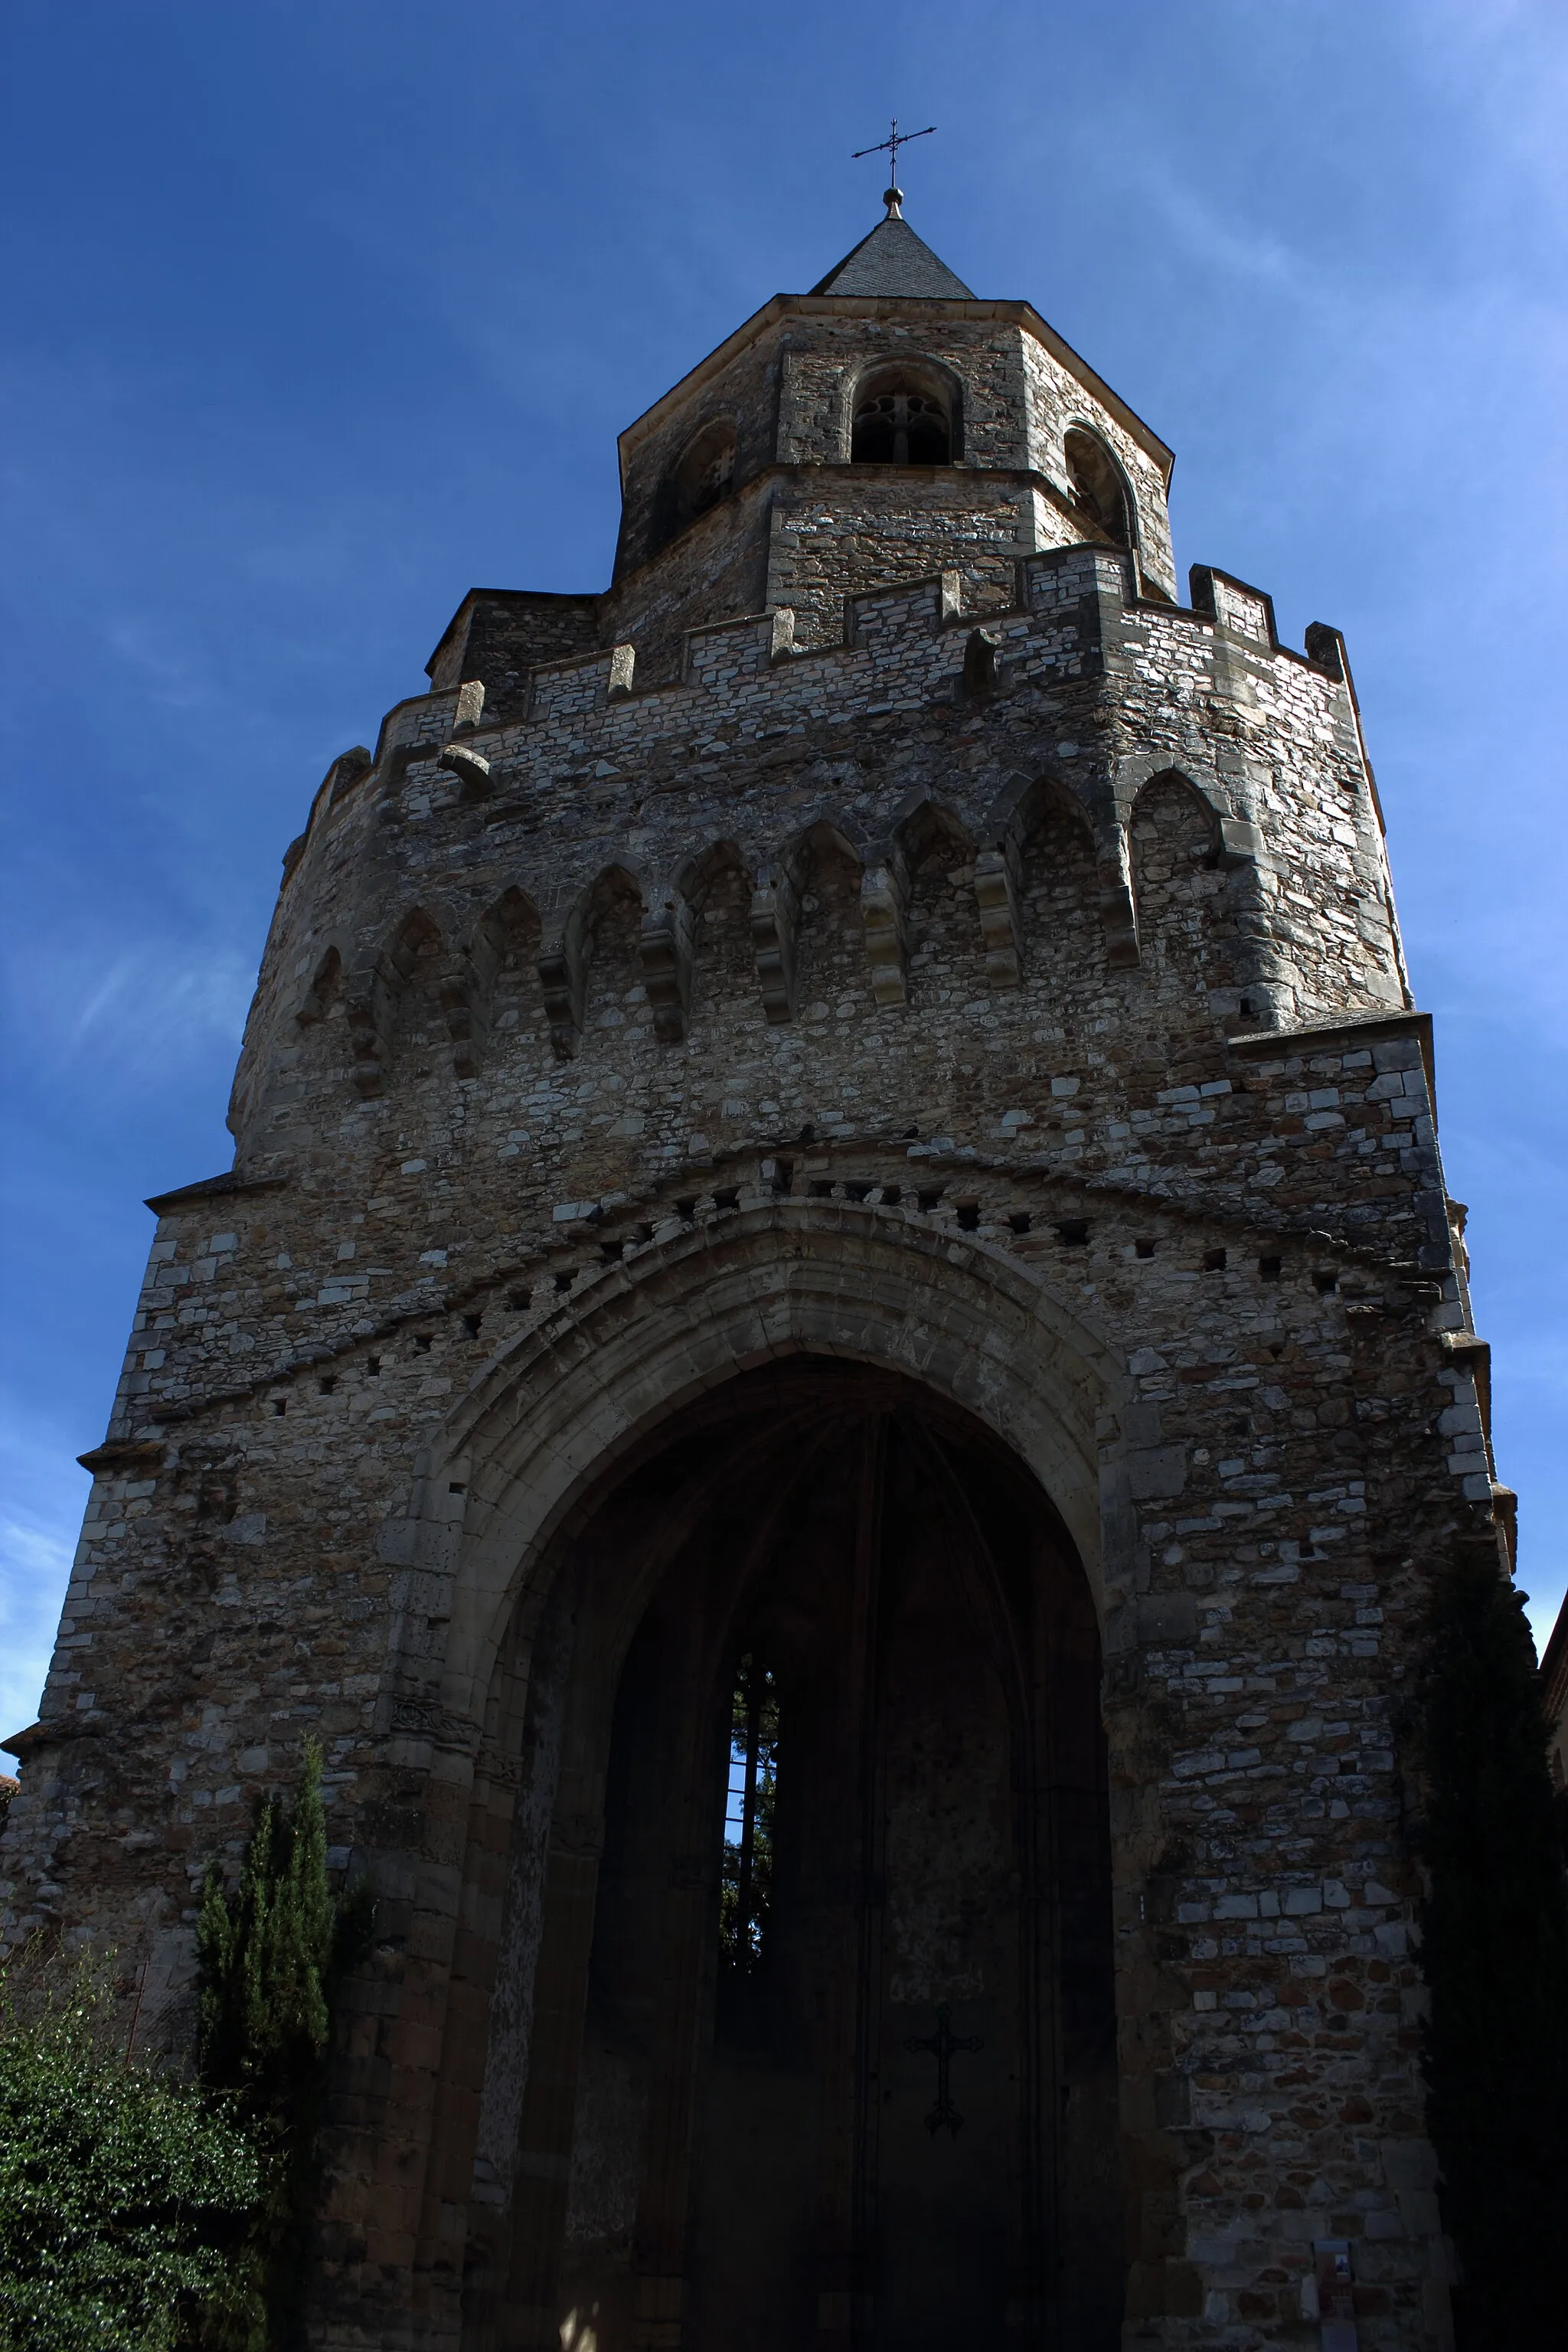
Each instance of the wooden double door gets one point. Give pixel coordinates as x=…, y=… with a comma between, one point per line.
x=823, y=2046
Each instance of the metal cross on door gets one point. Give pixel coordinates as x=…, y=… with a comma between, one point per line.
x=943, y=2043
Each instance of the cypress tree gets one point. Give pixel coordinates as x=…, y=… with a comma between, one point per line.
x=270, y=1957
x=1495, y=1954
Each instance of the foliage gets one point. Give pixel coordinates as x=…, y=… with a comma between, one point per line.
x=125, y=2194
x=270, y=1957
x=1495, y=1953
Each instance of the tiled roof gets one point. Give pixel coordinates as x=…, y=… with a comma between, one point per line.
x=894, y=260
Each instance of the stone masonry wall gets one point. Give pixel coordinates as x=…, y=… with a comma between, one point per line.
x=802, y=528
x=1047, y=962
x=789, y=391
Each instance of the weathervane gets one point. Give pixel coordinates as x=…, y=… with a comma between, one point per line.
x=895, y=194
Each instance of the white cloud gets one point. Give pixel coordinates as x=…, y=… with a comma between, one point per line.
x=137, y=1006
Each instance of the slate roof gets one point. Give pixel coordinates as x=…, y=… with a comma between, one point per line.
x=894, y=260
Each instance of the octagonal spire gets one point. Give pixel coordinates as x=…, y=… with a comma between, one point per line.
x=894, y=261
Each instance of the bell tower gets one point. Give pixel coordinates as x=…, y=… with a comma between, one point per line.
x=886, y=426
x=834, y=1370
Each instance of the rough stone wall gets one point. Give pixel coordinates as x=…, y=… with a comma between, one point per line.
x=1033, y=988
x=800, y=529
x=716, y=567
x=981, y=360
x=789, y=390
x=743, y=390
x=757, y=750
x=500, y=635
x=1056, y=402
x=834, y=528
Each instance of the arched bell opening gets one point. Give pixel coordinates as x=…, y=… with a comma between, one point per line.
x=1100, y=486
x=817, y=1947
x=904, y=414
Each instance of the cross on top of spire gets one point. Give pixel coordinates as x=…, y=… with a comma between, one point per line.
x=894, y=196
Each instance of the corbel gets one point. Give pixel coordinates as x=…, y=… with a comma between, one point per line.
x=1240, y=843
x=884, y=912
x=776, y=922
x=459, y=995
x=460, y=760
x=665, y=957
x=563, y=972
x=364, y=1002
x=1118, y=912
x=996, y=894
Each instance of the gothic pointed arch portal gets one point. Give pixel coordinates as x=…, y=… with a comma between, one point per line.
x=885, y=2110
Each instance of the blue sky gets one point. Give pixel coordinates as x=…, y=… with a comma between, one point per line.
x=316, y=315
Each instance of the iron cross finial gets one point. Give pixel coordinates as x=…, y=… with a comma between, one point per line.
x=895, y=194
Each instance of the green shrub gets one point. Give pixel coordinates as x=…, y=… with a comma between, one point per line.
x=126, y=2195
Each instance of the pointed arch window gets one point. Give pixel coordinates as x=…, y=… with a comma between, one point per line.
x=704, y=476
x=746, y=1875
x=1097, y=483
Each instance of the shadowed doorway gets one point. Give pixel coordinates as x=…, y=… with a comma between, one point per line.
x=823, y=2036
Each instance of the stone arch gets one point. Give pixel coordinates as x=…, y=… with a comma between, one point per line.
x=930, y=827
x=417, y=956
x=1017, y=811
x=564, y=1415
x=1064, y=932
x=701, y=478
x=1178, y=892
x=718, y=885
x=790, y=1278
x=324, y=990
x=321, y=1027
x=945, y=947
x=913, y=403
x=698, y=878
x=611, y=934
x=505, y=956
x=1101, y=485
x=831, y=979
x=394, y=1002
x=1143, y=768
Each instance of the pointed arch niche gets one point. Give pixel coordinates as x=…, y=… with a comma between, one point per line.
x=898, y=2120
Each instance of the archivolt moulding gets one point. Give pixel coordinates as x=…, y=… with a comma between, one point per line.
x=526, y=1446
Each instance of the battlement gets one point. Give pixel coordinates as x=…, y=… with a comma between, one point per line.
x=1056, y=616
x=466, y=837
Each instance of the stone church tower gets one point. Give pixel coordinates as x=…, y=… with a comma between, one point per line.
x=832, y=1370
